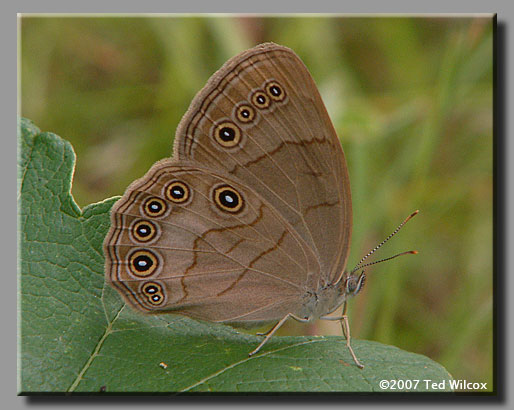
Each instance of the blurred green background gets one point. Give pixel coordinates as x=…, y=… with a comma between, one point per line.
x=410, y=98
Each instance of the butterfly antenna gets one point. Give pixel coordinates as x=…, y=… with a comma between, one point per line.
x=359, y=265
x=387, y=259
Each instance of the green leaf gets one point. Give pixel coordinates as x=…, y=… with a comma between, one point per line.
x=76, y=334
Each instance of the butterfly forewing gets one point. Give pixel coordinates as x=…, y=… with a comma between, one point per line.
x=261, y=119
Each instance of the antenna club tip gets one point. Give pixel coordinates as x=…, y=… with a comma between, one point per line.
x=414, y=252
x=414, y=213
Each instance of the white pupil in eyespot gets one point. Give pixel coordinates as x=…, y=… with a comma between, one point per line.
x=141, y=263
x=229, y=199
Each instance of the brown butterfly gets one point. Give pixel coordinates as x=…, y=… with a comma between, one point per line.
x=251, y=220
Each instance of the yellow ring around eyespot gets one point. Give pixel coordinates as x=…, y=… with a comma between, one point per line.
x=260, y=104
x=171, y=186
x=138, y=237
x=241, y=110
x=274, y=97
x=227, y=134
x=143, y=256
x=158, y=292
x=218, y=199
x=151, y=213
x=145, y=287
x=156, y=302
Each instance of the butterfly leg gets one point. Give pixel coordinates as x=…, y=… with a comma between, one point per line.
x=345, y=326
x=272, y=331
x=265, y=333
x=346, y=331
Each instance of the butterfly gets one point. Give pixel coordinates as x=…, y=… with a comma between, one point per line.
x=250, y=221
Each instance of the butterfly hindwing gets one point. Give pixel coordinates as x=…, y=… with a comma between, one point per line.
x=194, y=241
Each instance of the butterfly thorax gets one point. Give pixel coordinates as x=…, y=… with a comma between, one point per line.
x=323, y=301
x=327, y=298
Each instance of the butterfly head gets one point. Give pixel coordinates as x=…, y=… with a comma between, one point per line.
x=353, y=284
x=349, y=285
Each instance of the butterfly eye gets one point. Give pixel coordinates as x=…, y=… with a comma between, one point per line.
x=154, y=207
x=351, y=285
x=144, y=231
x=260, y=99
x=275, y=91
x=143, y=263
x=354, y=284
x=228, y=199
x=227, y=134
x=177, y=192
